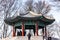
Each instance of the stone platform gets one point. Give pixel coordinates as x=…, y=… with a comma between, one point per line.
x=24, y=38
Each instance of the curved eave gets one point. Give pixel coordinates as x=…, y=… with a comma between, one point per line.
x=47, y=21
x=12, y=20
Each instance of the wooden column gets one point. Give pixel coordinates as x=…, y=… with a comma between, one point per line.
x=22, y=28
x=36, y=31
x=45, y=31
x=13, y=30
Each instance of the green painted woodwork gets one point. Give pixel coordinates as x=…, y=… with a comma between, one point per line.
x=29, y=22
x=17, y=22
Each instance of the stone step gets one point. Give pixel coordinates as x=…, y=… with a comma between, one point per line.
x=24, y=38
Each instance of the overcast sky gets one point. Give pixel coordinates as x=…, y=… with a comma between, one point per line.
x=55, y=9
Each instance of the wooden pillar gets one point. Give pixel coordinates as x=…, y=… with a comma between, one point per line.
x=22, y=28
x=45, y=31
x=13, y=30
x=36, y=30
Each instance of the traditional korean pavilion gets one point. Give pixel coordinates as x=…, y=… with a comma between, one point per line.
x=32, y=22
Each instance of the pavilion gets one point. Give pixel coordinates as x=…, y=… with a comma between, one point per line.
x=32, y=22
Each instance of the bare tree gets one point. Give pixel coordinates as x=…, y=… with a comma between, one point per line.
x=53, y=30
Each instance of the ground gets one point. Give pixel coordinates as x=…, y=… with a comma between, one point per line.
x=25, y=38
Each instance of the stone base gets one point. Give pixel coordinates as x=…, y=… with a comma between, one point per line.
x=24, y=38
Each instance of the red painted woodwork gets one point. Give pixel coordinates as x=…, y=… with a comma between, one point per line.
x=22, y=29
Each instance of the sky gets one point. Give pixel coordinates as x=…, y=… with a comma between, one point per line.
x=55, y=9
